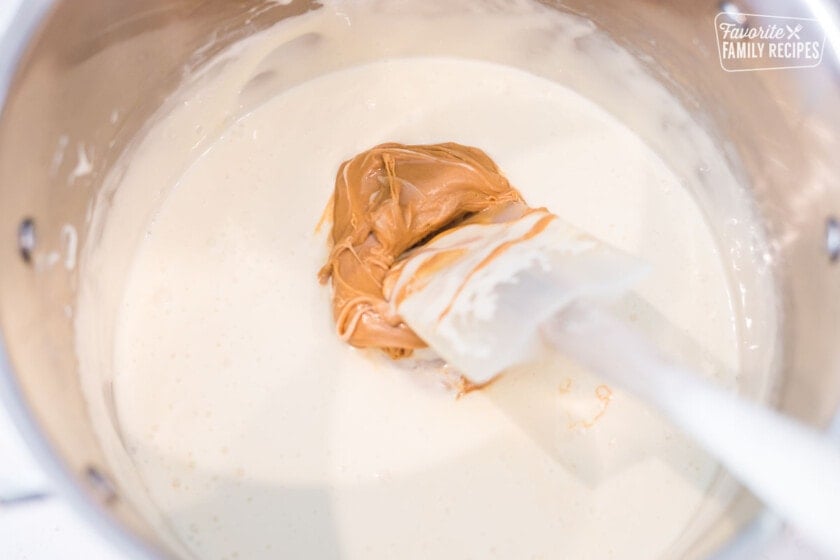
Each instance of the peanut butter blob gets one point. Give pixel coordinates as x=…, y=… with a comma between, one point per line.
x=387, y=200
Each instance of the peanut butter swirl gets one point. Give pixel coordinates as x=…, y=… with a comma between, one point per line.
x=388, y=200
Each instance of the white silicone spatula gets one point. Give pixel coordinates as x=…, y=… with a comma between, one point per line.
x=488, y=296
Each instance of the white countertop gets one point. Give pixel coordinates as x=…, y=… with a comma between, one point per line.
x=44, y=528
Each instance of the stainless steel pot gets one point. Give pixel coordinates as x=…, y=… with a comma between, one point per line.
x=70, y=63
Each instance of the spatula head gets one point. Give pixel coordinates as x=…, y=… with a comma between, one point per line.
x=477, y=294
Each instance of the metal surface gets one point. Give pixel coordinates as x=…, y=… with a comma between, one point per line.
x=93, y=59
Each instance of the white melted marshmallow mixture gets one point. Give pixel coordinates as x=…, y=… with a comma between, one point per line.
x=236, y=419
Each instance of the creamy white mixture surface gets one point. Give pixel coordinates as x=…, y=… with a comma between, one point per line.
x=234, y=415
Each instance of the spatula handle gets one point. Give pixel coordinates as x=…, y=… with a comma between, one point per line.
x=793, y=469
